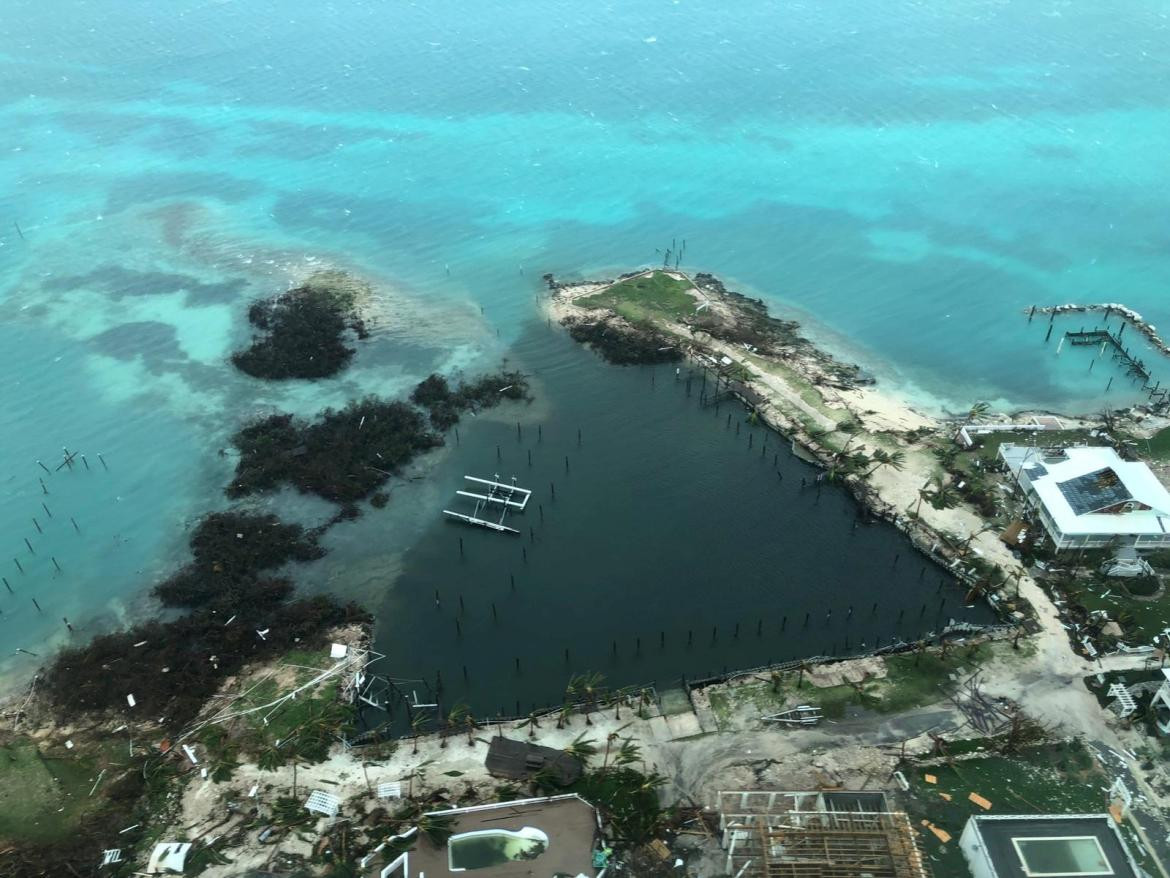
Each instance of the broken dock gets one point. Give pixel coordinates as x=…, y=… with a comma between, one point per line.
x=1103, y=338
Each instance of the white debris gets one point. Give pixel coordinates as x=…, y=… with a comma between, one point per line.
x=320, y=802
x=168, y=857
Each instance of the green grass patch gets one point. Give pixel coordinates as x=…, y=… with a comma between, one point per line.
x=911, y=681
x=299, y=726
x=1061, y=778
x=642, y=299
x=42, y=798
x=1158, y=445
x=1140, y=619
x=987, y=446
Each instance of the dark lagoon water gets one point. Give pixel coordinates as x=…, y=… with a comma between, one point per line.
x=668, y=529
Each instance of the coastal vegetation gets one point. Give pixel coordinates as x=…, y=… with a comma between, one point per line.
x=653, y=314
x=623, y=345
x=349, y=454
x=171, y=668
x=446, y=404
x=305, y=332
x=229, y=549
x=344, y=455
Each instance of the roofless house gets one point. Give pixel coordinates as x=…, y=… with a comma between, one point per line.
x=817, y=834
x=489, y=497
x=1089, y=497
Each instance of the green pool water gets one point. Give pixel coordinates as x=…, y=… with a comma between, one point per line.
x=480, y=850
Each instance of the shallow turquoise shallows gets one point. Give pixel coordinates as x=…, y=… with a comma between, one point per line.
x=906, y=177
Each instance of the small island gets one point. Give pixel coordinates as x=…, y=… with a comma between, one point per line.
x=306, y=332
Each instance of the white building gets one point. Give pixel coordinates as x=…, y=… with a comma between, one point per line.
x=1089, y=497
x=1046, y=846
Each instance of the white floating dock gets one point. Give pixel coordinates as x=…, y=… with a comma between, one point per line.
x=481, y=522
x=498, y=492
x=503, y=495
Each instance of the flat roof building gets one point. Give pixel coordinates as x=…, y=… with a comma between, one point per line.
x=529, y=838
x=1046, y=846
x=1088, y=497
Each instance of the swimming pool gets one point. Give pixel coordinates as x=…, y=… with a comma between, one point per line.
x=494, y=847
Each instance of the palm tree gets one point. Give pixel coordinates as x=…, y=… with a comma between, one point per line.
x=800, y=674
x=418, y=722
x=628, y=753
x=644, y=700
x=942, y=494
x=456, y=717
x=564, y=714
x=417, y=773
x=846, y=464
x=938, y=492
x=438, y=828
x=978, y=410
x=531, y=723
x=609, y=739
x=270, y=759
x=589, y=685
x=470, y=724
x=894, y=460
x=582, y=748
x=971, y=536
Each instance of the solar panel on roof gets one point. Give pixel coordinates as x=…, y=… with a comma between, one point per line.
x=1093, y=491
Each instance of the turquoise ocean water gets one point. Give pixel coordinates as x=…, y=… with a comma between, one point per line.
x=906, y=176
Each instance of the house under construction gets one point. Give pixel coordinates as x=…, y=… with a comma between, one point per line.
x=829, y=834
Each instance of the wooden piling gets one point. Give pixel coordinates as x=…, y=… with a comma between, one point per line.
x=30, y=548
x=45, y=468
x=46, y=508
x=37, y=525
